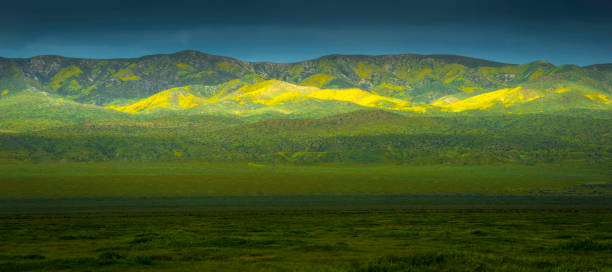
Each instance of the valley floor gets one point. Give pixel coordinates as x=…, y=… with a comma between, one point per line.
x=197, y=179
x=311, y=240
x=247, y=217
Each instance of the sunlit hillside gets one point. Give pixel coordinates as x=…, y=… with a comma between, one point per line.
x=414, y=109
x=269, y=93
x=414, y=78
x=273, y=94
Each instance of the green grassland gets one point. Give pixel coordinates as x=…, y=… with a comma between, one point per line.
x=367, y=136
x=193, y=179
x=306, y=240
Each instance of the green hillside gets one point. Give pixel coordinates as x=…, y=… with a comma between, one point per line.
x=418, y=78
x=358, y=137
x=416, y=109
x=32, y=109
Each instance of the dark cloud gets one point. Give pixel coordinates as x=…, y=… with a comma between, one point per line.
x=281, y=30
x=79, y=13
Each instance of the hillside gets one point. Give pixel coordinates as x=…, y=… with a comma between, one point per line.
x=32, y=109
x=190, y=106
x=365, y=136
x=289, y=99
x=190, y=82
x=417, y=78
x=271, y=95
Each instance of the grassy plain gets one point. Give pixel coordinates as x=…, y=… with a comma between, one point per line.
x=124, y=179
x=121, y=216
x=306, y=240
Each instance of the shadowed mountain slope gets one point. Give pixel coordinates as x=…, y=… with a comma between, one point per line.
x=417, y=78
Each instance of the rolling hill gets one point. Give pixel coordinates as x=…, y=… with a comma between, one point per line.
x=417, y=78
x=418, y=109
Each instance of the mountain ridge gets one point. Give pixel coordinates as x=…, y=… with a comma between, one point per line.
x=386, y=74
x=192, y=51
x=332, y=84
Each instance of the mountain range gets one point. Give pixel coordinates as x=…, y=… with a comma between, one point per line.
x=414, y=108
x=413, y=83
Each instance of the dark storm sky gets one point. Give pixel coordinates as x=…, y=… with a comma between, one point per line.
x=561, y=32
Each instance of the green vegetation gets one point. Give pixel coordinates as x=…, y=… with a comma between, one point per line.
x=310, y=240
x=114, y=179
x=356, y=137
x=193, y=83
x=418, y=78
x=190, y=161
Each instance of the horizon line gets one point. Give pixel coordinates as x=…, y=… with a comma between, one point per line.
x=311, y=59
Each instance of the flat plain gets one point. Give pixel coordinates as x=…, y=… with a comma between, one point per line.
x=196, y=179
x=310, y=240
x=248, y=217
